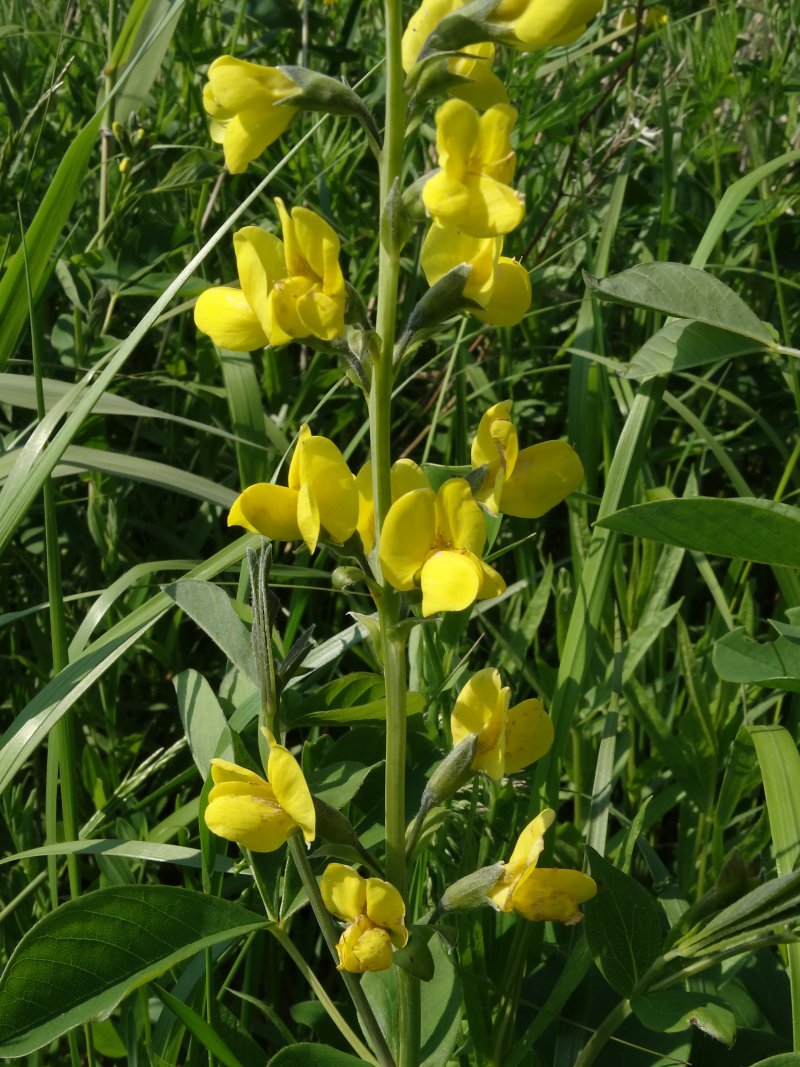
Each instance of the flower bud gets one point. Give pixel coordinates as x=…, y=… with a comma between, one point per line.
x=454, y=771
x=470, y=892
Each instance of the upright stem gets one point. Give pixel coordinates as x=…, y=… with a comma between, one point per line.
x=393, y=641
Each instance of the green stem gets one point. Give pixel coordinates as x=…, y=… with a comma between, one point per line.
x=331, y=934
x=612, y=1022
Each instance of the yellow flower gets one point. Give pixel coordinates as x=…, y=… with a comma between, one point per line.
x=435, y=540
x=499, y=284
x=244, y=101
x=508, y=738
x=290, y=289
x=475, y=62
x=375, y=913
x=258, y=814
x=541, y=23
x=405, y=476
x=476, y=162
x=546, y=893
x=524, y=483
x=321, y=497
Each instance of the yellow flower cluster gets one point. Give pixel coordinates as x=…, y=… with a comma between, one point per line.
x=375, y=915
x=431, y=539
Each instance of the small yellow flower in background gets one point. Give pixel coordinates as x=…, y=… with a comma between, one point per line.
x=540, y=893
x=509, y=739
x=474, y=63
x=499, y=284
x=375, y=913
x=541, y=23
x=435, y=540
x=290, y=290
x=525, y=483
x=244, y=101
x=476, y=162
x=259, y=814
x=321, y=497
x=405, y=477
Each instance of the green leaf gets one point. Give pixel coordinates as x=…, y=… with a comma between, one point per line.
x=672, y=1010
x=623, y=926
x=204, y=721
x=210, y=607
x=339, y=783
x=686, y=293
x=150, y=851
x=372, y=711
x=743, y=528
x=784, y=1059
x=684, y=344
x=79, y=961
x=774, y=664
x=307, y=1055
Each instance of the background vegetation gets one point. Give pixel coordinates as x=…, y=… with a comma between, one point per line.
x=626, y=147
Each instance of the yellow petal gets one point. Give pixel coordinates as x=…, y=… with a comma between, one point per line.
x=450, y=581
x=321, y=315
x=344, y=891
x=494, y=208
x=385, y=908
x=543, y=476
x=366, y=507
x=485, y=89
x=226, y=316
x=552, y=894
x=510, y=295
x=420, y=26
x=294, y=257
x=477, y=706
x=284, y=320
x=332, y=485
x=293, y=480
x=446, y=199
x=445, y=248
x=308, y=518
x=223, y=771
x=270, y=510
x=494, y=446
x=248, y=133
x=407, y=536
x=319, y=246
x=252, y=821
x=459, y=521
x=492, y=583
x=529, y=734
x=291, y=789
x=238, y=84
x=557, y=21
x=260, y=263
x=364, y=947
x=497, y=158
x=457, y=132
x=530, y=843
x=406, y=476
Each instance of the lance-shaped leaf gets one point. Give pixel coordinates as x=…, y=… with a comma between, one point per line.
x=773, y=664
x=683, y=344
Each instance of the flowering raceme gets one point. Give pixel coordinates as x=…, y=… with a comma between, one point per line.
x=540, y=893
x=290, y=289
x=374, y=912
x=435, y=540
x=500, y=285
x=320, y=499
x=509, y=739
x=258, y=814
x=476, y=162
x=525, y=483
x=246, y=105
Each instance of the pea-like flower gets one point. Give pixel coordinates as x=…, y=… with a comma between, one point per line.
x=405, y=476
x=374, y=912
x=476, y=162
x=435, y=540
x=256, y=813
x=526, y=482
x=542, y=23
x=540, y=893
x=484, y=88
x=290, y=289
x=246, y=105
x=498, y=284
x=321, y=498
x=508, y=738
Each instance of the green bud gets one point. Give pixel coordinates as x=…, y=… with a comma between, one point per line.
x=454, y=771
x=318, y=92
x=467, y=25
x=345, y=577
x=442, y=301
x=117, y=130
x=470, y=892
x=395, y=224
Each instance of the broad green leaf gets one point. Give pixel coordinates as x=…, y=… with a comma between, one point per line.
x=440, y=1007
x=684, y=292
x=622, y=925
x=743, y=528
x=338, y=784
x=79, y=961
x=672, y=1010
x=210, y=607
x=204, y=721
x=307, y=1055
x=372, y=711
x=684, y=344
x=784, y=1059
x=773, y=664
